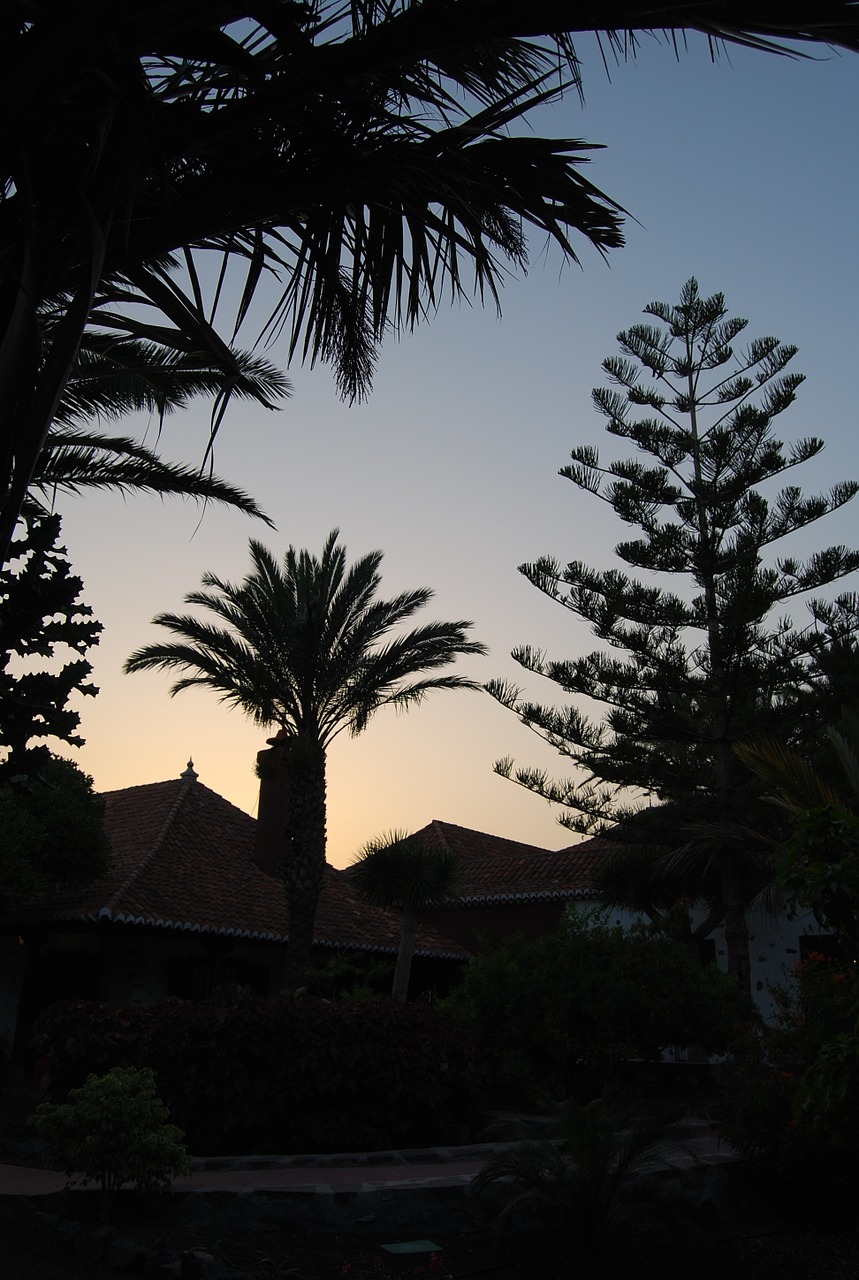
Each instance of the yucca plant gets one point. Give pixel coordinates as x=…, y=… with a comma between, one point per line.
x=404, y=874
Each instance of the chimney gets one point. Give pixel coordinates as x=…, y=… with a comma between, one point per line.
x=272, y=844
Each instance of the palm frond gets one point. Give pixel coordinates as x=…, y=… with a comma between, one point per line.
x=845, y=741
x=225, y=113
x=398, y=871
x=76, y=460
x=586, y=1178
x=297, y=643
x=797, y=784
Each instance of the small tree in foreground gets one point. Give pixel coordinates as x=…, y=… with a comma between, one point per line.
x=710, y=664
x=112, y=1131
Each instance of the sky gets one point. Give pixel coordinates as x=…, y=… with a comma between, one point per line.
x=743, y=174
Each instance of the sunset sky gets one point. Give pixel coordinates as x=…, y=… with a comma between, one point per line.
x=743, y=174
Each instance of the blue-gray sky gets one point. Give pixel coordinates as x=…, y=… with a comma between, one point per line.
x=743, y=174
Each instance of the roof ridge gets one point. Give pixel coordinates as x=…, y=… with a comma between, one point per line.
x=489, y=835
x=439, y=827
x=137, y=872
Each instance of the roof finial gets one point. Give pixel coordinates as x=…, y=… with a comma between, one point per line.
x=189, y=772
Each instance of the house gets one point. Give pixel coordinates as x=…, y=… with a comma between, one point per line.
x=192, y=903
x=508, y=888
x=185, y=909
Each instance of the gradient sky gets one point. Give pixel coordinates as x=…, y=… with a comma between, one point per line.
x=743, y=174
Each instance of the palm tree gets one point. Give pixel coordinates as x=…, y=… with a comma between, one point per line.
x=309, y=647
x=140, y=141
x=401, y=873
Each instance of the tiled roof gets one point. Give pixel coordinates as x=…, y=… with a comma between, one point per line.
x=496, y=870
x=182, y=859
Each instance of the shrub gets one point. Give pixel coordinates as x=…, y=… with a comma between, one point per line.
x=556, y=1017
x=799, y=1133
x=287, y=1075
x=114, y=1130
x=77, y=1038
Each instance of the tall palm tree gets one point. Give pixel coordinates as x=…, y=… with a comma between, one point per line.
x=401, y=873
x=357, y=152
x=306, y=645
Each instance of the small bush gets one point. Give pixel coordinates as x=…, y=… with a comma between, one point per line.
x=113, y=1131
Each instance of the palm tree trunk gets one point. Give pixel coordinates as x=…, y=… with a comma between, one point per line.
x=303, y=864
x=402, y=973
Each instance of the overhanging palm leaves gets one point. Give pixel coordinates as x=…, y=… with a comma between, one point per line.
x=74, y=461
x=307, y=645
x=356, y=153
x=798, y=784
x=113, y=377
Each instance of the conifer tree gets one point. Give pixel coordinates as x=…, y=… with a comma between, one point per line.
x=707, y=663
x=47, y=629
x=51, y=821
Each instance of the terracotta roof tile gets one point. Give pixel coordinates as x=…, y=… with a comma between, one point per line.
x=182, y=859
x=493, y=869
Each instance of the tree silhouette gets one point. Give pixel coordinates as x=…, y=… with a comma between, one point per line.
x=401, y=873
x=308, y=646
x=709, y=663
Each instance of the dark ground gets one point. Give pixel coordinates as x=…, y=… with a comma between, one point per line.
x=773, y=1244
x=760, y=1251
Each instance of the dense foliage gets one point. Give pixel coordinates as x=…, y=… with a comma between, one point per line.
x=558, y=1016
x=45, y=632
x=791, y=1092
x=52, y=833
x=279, y=1076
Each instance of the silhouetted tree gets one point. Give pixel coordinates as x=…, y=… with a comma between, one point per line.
x=401, y=873
x=308, y=646
x=709, y=665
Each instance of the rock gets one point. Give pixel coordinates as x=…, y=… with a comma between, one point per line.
x=197, y=1265
x=91, y=1246
x=126, y=1255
